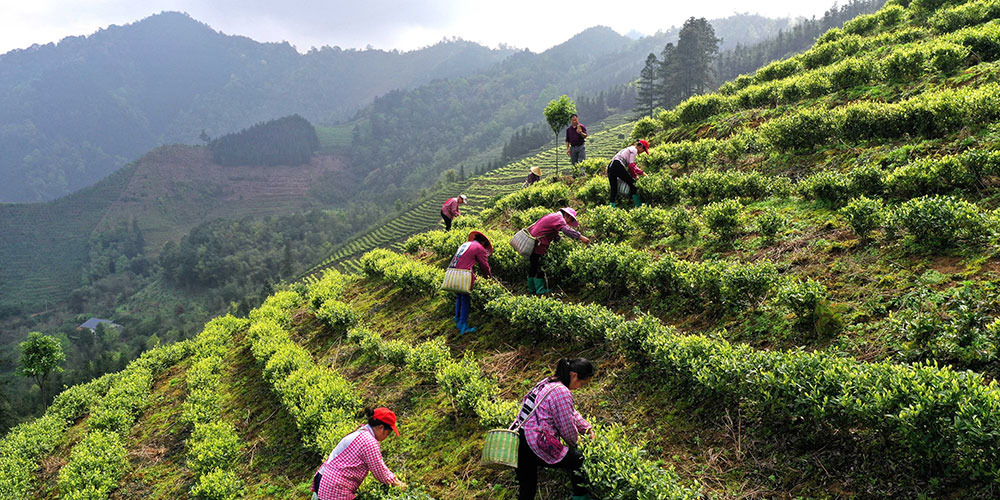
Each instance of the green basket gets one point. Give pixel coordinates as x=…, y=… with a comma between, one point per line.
x=500, y=448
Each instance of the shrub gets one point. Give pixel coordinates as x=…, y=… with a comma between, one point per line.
x=553, y=195
x=608, y=222
x=212, y=446
x=95, y=466
x=554, y=318
x=651, y=221
x=867, y=180
x=337, y=315
x=778, y=70
x=428, y=356
x=465, y=383
x=664, y=276
x=593, y=166
x=710, y=185
x=681, y=222
x=668, y=119
x=330, y=286
x=607, y=266
x=769, y=223
x=864, y=215
x=618, y=469
x=594, y=191
x=828, y=187
x=964, y=15
x=644, y=128
x=952, y=327
x=218, y=485
x=949, y=57
x=700, y=107
x=746, y=285
x=804, y=298
x=659, y=188
x=904, y=63
x=724, y=217
x=862, y=25
x=801, y=130
x=525, y=218
x=940, y=222
x=851, y=73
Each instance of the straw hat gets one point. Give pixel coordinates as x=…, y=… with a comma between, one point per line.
x=536, y=170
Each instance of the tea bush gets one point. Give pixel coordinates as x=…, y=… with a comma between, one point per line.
x=594, y=191
x=659, y=188
x=94, y=468
x=941, y=222
x=619, y=469
x=609, y=223
x=864, y=215
x=769, y=223
x=700, y=107
x=828, y=187
x=724, y=218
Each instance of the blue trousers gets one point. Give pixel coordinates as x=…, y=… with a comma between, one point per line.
x=462, y=303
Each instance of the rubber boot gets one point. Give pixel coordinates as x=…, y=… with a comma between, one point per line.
x=540, y=286
x=461, y=328
x=636, y=200
x=614, y=205
x=468, y=329
x=531, y=285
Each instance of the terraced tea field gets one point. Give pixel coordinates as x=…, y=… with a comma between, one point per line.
x=426, y=214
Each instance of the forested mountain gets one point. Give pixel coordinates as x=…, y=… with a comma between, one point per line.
x=408, y=136
x=73, y=112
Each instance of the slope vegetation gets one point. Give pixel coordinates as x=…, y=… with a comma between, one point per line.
x=805, y=308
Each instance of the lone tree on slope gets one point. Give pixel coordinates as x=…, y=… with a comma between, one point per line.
x=40, y=356
x=557, y=114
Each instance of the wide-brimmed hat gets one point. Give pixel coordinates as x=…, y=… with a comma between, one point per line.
x=572, y=213
x=536, y=170
x=488, y=246
x=645, y=145
x=464, y=198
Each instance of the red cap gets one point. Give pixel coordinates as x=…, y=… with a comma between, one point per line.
x=645, y=144
x=386, y=415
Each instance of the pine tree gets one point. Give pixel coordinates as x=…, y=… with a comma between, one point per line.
x=666, y=77
x=646, y=95
x=697, y=47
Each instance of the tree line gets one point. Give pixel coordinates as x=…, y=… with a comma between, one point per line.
x=695, y=66
x=290, y=140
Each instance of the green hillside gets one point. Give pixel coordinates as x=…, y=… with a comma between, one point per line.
x=805, y=307
x=425, y=214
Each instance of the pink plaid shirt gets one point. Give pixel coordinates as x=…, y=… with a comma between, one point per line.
x=547, y=228
x=343, y=474
x=556, y=417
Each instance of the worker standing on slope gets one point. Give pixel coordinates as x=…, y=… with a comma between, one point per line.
x=545, y=231
x=548, y=419
x=623, y=167
x=576, y=140
x=450, y=210
x=355, y=456
x=476, y=250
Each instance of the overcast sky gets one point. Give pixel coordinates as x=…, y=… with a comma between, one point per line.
x=404, y=24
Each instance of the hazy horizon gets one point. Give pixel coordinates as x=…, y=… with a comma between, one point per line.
x=378, y=24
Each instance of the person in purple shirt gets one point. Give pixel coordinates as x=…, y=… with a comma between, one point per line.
x=475, y=251
x=550, y=428
x=576, y=137
x=545, y=231
x=450, y=210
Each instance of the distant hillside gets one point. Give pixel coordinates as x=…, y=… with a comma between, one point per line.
x=804, y=306
x=167, y=192
x=73, y=112
x=411, y=136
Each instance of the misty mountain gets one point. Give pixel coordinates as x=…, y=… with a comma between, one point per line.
x=73, y=112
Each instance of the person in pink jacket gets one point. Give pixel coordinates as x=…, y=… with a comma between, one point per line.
x=355, y=456
x=475, y=251
x=546, y=230
x=623, y=167
x=551, y=427
x=450, y=210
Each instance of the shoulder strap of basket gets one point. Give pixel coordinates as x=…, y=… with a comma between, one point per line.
x=527, y=232
x=517, y=425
